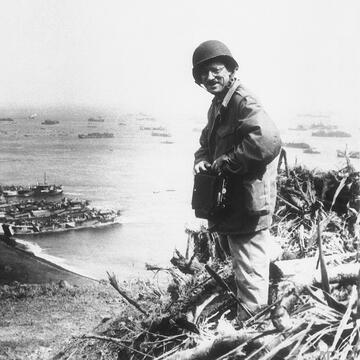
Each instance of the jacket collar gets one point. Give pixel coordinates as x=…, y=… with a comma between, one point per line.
x=225, y=100
x=230, y=93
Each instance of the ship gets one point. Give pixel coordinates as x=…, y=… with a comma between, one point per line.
x=25, y=191
x=311, y=150
x=335, y=133
x=299, y=128
x=315, y=126
x=39, y=189
x=156, y=128
x=10, y=192
x=322, y=126
x=6, y=119
x=38, y=217
x=297, y=145
x=47, y=189
x=97, y=119
x=161, y=134
x=50, y=122
x=349, y=154
x=96, y=135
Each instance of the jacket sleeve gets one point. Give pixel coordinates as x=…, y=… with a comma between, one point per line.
x=202, y=154
x=257, y=139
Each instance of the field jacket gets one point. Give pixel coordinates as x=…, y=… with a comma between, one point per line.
x=239, y=128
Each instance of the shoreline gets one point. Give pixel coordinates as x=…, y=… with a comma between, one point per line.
x=18, y=264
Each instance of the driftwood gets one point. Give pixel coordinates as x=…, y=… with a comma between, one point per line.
x=304, y=271
x=303, y=281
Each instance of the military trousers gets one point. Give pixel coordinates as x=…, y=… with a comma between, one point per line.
x=251, y=261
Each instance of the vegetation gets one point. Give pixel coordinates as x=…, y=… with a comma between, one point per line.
x=311, y=316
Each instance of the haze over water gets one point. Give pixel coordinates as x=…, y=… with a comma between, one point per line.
x=148, y=177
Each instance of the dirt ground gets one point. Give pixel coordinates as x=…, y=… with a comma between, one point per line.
x=37, y=320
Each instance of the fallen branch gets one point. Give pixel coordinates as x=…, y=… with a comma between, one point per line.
x=303, y=271
x=211, y=350
x=115, y=285
x=116, y=341
x=223, y=284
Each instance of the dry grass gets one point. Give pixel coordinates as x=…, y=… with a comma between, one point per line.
x=194, y=318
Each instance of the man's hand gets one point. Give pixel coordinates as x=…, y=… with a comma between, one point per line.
x=219, y=163
x=202, y=166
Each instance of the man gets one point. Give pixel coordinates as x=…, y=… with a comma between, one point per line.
x=241, y=141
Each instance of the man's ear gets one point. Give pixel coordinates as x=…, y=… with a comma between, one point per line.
x=234, y=71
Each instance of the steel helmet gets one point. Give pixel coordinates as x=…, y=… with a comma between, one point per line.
x=209, y=50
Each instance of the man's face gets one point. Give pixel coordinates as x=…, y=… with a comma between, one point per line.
x=215, y=77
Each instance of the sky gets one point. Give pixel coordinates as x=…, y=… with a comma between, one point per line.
x=297, y=56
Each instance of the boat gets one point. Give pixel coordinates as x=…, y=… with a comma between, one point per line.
x=26, y=192
x=97, y=119
x=46, y=189
x=6, y=119
x=161, y=134
x=311, y=150
x=145, y=118
x=23, y=229
x=96, y=135
x=314, y=126
x=156, y=128
x=50, y=122
x=10, y=192
x=297, y=145
x=31, y=190
x=335, y=133
x=354, y=154
x=44, y=216
x=349, y=154
x=299, y=128
x=70, y=225
x=321, y=126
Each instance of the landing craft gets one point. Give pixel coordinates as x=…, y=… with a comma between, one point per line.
x=47, y=189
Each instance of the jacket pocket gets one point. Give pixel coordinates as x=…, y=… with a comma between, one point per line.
x=256, y=196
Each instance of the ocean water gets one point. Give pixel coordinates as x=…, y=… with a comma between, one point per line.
x=149, y=178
